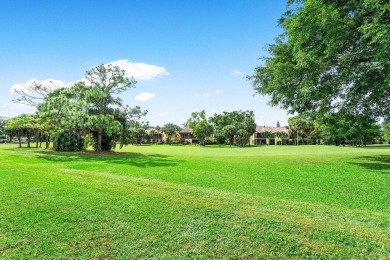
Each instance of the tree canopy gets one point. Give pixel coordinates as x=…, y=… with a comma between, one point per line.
x=170, y=129
x=93, y=108
x=200, y=125
x=332, y=55
x=22, y=126
x=300, y=128
x=229, y=123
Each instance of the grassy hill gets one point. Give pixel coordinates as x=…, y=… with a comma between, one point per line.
x=166, y=201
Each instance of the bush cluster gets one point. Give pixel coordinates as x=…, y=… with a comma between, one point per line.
x=68, y=141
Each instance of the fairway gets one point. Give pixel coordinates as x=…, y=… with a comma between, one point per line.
x=162, y=201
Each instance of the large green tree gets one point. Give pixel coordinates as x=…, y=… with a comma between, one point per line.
x=170, y=129
x=242, y=137
x=299, y=128
x=229, y=123
x=61, y=111
x=229, y=132
x=104, y=82
x=341, y=128
x=280, y=135
x=200, y=126
x=332, y=55
x=93, y=108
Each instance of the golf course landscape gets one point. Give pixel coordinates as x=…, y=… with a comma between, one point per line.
x=195, y=129
x=187, y=201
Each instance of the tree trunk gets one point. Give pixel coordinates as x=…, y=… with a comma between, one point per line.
x=20, y=142
x=99, y=145
x=40, y=140
x=47, y=141
x=28, y=140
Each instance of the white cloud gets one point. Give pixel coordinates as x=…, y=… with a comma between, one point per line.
x=236, y=72
x=162, y=113
x=145, y=96
x=196, y=95
x=50, y=83
x=139, y=70
x=218, y=91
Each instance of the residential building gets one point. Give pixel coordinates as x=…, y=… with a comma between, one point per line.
x=268, y=135
x=186, y=136
x=158, y=136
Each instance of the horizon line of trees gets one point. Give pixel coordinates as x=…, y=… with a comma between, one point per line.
x=232, y=128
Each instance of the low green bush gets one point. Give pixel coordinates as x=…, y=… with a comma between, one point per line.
x=68, y=141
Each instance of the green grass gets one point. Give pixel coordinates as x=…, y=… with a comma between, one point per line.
x=195, y=202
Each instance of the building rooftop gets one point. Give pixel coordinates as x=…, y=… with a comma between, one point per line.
x=186, y=131
x=272, y=129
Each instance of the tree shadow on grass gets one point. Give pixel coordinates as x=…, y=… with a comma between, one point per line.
x=382, y=146
x=374, y=162
x=124, y=158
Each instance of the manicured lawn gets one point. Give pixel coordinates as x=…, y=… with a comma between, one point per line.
x=195, y=202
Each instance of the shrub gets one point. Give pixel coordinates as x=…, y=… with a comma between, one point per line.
x=221, y=139
x=69, y=141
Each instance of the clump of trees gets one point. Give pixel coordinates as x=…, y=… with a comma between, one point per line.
x=201, y=126
x=236, y=127
x=91, y=111
x=300, y=128
x=24, y=126
x=170, y=130
x=341, y=128
x=337, y=128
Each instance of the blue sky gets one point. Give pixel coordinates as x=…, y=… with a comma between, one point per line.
x=201, y=51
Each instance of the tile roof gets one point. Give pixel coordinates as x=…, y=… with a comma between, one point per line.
x=186, y=131
x=272, y=129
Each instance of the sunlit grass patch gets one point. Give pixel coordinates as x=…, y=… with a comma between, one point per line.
x=190, y=201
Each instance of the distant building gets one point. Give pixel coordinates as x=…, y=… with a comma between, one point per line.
x=264, y=135
x=157, y=137
x=267, y=135
x=186, y=136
